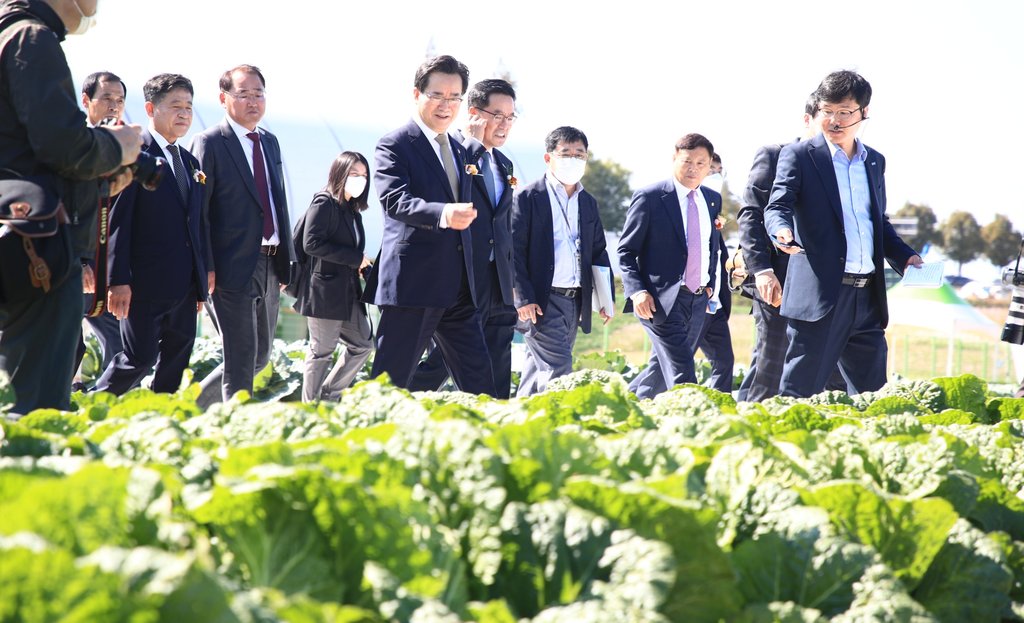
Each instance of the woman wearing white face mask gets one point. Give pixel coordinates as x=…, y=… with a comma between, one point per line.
x=332, y=238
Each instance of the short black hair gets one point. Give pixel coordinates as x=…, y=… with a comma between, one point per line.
x=839, y=85
x=480, y=95
x=226, y=80
x=694, y=141
x=716, y=158
x=811, y=105
x=93, y=80
x=443, y=64
x=564, y=134
x=157, y=87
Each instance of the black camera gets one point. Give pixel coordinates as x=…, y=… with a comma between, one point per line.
x=148, y=170
x=1013, y=330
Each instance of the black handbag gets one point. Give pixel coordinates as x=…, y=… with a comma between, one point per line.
x=35, y=245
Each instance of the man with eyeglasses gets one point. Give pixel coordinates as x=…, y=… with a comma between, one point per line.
x=827, y=211
x=423, y=280
x=492, y=111
x=250, y=254
x=668, y=254
x=557, y=239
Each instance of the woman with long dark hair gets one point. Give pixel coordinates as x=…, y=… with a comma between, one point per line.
x=334, y=241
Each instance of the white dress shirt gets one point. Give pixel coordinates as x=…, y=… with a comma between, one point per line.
x=247, y=149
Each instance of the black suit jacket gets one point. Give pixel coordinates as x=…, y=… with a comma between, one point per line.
x=758, y=251
x=492, y=228
x=232, y=206
x=333, y=240
x=805, y=199
x=420, y=264
x=652, y=247
x=157, y=240
x=534, y=248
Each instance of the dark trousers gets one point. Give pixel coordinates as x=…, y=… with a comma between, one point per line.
x=247, y=321
x=498, y=323
x=37, y=345
x=673, y=343
x=716, y=342
x=850, y=335
x=404, y=332
x=155, y=333
x=549, y=344
x=107, y=330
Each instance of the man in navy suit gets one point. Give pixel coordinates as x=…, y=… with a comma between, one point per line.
x=158, y=280
x=557, y=238
x=423, y=279
x=492, y=111
x=827, y=211
x=249, y=231
x=715, y=338
x=668, y=255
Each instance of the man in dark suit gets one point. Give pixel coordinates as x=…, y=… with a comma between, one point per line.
x=492, y=111
x=766, y=267
x=247, y=216
x=557, y=238
x=667, y=253
x=423, y=279
x=715, y=338
x=827, y=211
x=157, y=276
x=103, y=95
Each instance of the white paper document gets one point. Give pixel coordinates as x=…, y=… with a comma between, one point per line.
x=928, y=276
x=602, y=290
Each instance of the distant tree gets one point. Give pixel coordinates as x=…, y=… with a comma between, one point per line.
x=1002, y=241
x=926, y=222
x=961, y=238
x=608, y=182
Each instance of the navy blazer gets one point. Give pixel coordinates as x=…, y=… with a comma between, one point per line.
x=420, y=264
x=805, y=199
x=157, y=240
x=758, y=252
x=492, y=228
x=652, y=247
x=533, y=242
x=333, y=239
x=232, y=206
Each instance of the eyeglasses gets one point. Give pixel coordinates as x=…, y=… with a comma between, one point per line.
x=838, y=115
x=248, y=96
x=582, y=157
x=437, y=97
x=500, y=117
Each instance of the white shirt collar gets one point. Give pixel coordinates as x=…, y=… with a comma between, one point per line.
x=240, y=131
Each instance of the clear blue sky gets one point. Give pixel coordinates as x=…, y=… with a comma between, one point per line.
x=633, y=76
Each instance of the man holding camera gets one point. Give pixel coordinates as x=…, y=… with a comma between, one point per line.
x=43, y=132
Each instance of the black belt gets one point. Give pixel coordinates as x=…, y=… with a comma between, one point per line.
x=269, y=249
x=569, y=292
x=683, y=287
x=858, y=281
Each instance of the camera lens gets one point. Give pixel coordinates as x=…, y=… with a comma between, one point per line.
x=1013, y=330
x=148, y=170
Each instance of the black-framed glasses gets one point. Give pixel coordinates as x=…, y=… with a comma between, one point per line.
x=437, y=97
x=500, y=117
x=839, y=115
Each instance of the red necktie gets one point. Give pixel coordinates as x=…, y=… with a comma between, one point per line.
x=259, y=173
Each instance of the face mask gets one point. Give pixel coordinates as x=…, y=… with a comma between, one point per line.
x=569, y=170
x=355, y=185
x=715, y=181
x=84, y=23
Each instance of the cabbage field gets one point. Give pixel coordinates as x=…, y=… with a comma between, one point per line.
x=580, y=504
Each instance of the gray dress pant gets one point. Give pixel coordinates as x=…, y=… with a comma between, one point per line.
x=549, y=344
x=324, y=335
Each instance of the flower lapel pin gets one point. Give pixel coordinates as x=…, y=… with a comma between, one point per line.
x=199, y=176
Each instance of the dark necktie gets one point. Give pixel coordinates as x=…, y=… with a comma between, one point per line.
x=259, y=174
x=485, y=170
x=179, y=172
x=449, y=163
x=693, y=258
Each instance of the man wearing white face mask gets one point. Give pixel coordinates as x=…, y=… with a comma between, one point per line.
x=43, y=134
x=557, y=237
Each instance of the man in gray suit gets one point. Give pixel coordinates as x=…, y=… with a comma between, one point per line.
x=247, y=213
